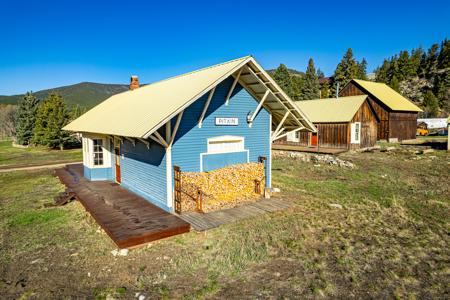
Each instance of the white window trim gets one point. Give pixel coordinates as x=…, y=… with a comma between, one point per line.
x=292, y=137
x=353, y=133
x=88, y=152
x=225, y=138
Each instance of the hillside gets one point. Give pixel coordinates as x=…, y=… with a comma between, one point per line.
x=85, y=94
x=89, y=94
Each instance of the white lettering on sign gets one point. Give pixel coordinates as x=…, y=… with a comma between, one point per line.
x=227, y=121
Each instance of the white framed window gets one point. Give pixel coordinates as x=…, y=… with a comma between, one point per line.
x=355, y=137
x=97, y=152
x=225, y=144
x=293, y=137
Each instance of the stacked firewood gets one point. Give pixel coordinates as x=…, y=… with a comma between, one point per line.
x=222, y=188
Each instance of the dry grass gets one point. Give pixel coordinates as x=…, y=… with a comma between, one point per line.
x=18, y=157
x=390, y=240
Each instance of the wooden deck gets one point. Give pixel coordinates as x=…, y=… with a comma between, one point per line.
x=205, y=221
x=308, y=149
x=128, y=219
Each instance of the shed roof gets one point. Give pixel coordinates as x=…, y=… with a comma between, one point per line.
x=387, y=95
x=331, y=110
x=139, y=113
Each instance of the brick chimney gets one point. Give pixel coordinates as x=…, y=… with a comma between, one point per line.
x=134, y=82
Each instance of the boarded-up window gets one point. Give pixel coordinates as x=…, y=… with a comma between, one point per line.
x=225, y=144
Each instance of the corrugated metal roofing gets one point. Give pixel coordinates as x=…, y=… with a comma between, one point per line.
x=140, y=112
x=331, y=110
x=388, y=96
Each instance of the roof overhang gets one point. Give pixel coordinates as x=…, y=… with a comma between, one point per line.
x=286, y=116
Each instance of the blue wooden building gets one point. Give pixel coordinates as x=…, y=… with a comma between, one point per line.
x=221, y=115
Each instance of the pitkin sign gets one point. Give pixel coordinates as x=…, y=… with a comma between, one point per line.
x=227, y=121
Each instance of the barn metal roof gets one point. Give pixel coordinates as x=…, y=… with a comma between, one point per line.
x=140, y=112
x=387, y=95
x=331, y=110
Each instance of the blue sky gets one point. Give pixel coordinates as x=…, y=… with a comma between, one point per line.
x=47, y=44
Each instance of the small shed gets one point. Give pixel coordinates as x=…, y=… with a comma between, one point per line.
x=214, y=117
x=342, y=123
x=397, y=115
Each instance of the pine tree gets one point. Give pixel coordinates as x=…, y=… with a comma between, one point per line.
x=346, y=70
x=405, y=68
x=362, y=70
x=325, y=91
x=76, y=112
x=443, y=60
x=320, y=74
x=311, y=87
x=26, y=119
x=393, y=70
x=431, y=104
x=420, y=72
x=415, y=60
x=442, y=87
x=381, y=73
x=283, y=78
x=297, y=83
x=52, y=116
x=395, y=84
x=431, y=61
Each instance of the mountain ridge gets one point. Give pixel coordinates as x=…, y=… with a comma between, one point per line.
x=88, y=94
x=85, y=94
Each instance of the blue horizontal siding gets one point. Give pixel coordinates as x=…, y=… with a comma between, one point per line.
x=190, y=140
x=220, y=160
x=143, y=171
x=96, y=174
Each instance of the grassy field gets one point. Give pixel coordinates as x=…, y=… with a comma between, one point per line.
x=18, y=157
x=390, y=240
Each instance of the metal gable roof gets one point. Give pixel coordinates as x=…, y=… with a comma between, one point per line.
x=139, y=113
x=387, y=95
x=331, y=110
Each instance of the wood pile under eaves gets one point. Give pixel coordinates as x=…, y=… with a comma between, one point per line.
x=222, y=188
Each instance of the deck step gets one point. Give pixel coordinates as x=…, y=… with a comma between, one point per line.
x=206, y=221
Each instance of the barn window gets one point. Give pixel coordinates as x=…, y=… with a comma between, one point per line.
x=98, y=152
x=356, y=133
x=293, y=136
x=224, y=144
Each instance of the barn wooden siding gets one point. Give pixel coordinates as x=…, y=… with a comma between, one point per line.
x=392, y=124
x=303, y=140
x=403, y=125
x=369, y=124
x=333, y=135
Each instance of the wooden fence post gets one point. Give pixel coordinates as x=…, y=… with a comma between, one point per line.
x=177, y=179
x=199, y=200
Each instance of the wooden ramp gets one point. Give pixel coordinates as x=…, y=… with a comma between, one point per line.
x=127, y=218
x=205, y=221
